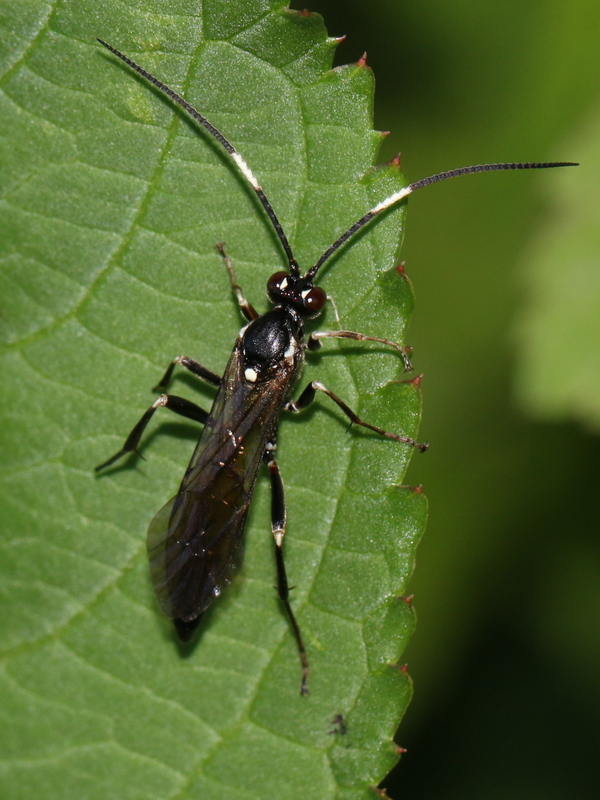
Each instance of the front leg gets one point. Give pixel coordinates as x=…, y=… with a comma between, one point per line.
x=314, y=343
x=246, y=308
x=192, y=366
x=308, y=395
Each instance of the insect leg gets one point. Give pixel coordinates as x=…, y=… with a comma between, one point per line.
x=177, y=404
x=314, y=343
x=278, y=518
x=193, y=366
x=308, y=395
x=248, y=309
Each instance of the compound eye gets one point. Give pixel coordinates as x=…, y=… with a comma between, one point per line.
x=278, y=283
x=315, y=300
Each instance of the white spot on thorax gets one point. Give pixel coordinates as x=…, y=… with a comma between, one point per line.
x=290, y=352
x=250, y=374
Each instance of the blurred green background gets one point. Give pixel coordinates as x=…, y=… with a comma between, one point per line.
x=506, y=659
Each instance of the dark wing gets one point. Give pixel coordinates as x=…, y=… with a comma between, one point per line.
x=195, y=542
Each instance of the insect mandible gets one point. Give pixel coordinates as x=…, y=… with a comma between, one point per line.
x=195, y=542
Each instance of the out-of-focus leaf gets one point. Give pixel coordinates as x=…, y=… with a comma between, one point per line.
x=559, y=332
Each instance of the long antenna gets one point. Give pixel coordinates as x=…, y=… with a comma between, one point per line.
x=402, y=193
x=244, y=168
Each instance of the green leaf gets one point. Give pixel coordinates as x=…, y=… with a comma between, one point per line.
x=111, y=206
x=559, y=332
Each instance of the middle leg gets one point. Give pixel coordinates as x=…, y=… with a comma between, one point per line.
x=308, y=395
x=179, y=405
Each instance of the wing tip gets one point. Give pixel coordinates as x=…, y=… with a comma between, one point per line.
x=186, y=628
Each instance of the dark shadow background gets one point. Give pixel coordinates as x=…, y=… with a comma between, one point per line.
x=506, y=659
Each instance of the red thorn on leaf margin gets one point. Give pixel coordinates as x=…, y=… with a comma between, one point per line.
x=381, y=792
x=362, y=61
x=416, y=382
x=403, y=668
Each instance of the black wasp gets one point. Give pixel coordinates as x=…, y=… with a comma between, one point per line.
x=195, y=542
